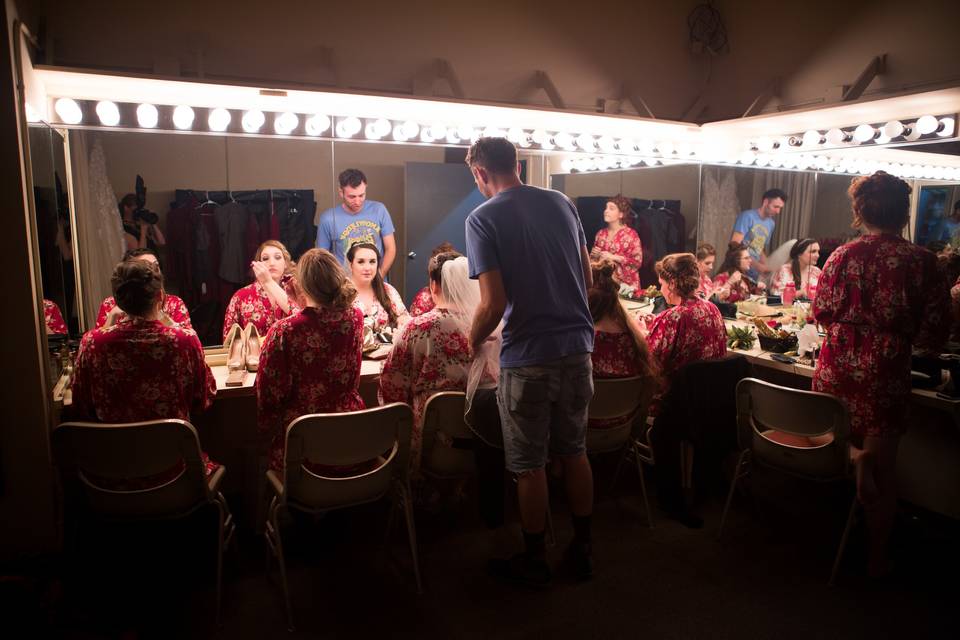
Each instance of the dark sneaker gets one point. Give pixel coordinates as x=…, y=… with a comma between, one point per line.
x=579, y=557
x=522, y=569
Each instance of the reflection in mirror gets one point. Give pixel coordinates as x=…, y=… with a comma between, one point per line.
x=938, y=216
x=53, y=230
x=732, y=207
x=664, y=204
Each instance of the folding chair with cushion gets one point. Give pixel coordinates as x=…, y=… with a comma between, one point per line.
x=447, y=440
x=381, y=434
x=620, y=403
x=763, y=409
x=107, y=459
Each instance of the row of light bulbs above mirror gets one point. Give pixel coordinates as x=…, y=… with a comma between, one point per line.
x=794, y=151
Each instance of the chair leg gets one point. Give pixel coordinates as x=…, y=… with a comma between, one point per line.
x=616, y=473
x=643, y=489
x=738, y=472
x=843, y=541
x=273, y=534
x=411, y=533
x=221, y=526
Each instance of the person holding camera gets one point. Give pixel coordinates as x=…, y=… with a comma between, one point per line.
x=140, y=229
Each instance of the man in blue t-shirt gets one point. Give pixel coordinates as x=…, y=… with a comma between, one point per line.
x=526, y=246
x=357, y=219
x=755, y=226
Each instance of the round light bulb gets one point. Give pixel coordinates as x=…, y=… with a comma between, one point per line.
x=947, y=126
x=837, y=137
x=911, y=133
x=410, y=129
x=68, y=110
x=349, y=127
x=377, y=129
x=398, y=134
x=764, y=144
x=564, y=140
x=938, y=173
x=567, y=164
x=607, y=144
x=183, y=117
x=539, y=136
x=926, y=125
x=864, y=133
x=586, y=142
x=219, y=119
x=252, y=121
x=763, y=159
x=747, y=157
x=665, y=148
x=452, y=136
x=438, y=130
x=108, y=113
x=286, y=122
x=147, y=116
x=812, y=138
x=893, y=129
x=316, y=124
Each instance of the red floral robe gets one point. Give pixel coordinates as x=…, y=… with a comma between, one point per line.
x=142, y=370
x=706, y=288
x=251, y=304
x=626, y=244
x=310, y=363
x=422, y=302
x=431, y=354
x=693, y=330
x=173, y=306
x=376, y=314
x=53, y=318
x=740, y=290
x=614, y=356
x=878, y=296
x=809, y=280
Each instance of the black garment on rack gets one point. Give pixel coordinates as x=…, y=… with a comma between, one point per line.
x=232, y=221
x=295, y=210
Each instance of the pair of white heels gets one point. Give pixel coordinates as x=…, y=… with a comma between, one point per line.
x=243, y=348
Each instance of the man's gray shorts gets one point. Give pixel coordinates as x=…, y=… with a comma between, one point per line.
x=543, y=408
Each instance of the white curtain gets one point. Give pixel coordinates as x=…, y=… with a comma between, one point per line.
x=99, y=230
x=719, y=207
x=796, y=219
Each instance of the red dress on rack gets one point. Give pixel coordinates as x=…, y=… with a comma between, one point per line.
x=53, y=318
x=310, y=363
x=626, y=244
x=877, y=297
x=142, y=370
x=173, y=306
x=422, y=302
x=251, y=304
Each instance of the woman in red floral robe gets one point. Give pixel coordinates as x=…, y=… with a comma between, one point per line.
x=878, y=296
x=423, y=301
x=619, y=349
x=432, y=352
x=310, y=362
x=379, y=302
x=53, y=318
x=732, y=283
x=619, y=242
x=706, y=258
x=173, y=307
x=141, y=369
x=271, y=297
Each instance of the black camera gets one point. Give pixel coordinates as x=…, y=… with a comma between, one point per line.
x=142, y=213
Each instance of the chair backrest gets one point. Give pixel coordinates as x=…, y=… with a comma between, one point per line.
x=112, y=460
x=620, y=401
x=381, y=434
x=447, y=440
x=762, y=405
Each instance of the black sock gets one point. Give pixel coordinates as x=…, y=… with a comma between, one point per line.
x=535, y=543
x=581, y=529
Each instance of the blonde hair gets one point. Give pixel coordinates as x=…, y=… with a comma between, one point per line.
x=321, y=277
x=289, y=266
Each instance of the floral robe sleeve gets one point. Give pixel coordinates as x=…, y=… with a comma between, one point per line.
x=693, y=330
x=173, y=306
x=431, y=354
x=422, y=302
x=736, y=292
x=626, y=244
x=808, y=282
x=53, y=318
x=252, y=305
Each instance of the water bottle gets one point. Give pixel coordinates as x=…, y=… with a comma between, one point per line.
x=789, y=294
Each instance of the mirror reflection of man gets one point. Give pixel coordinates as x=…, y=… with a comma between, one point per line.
x=754, y=227
x=357, y=219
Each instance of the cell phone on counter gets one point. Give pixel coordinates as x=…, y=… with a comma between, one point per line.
x=779, y=357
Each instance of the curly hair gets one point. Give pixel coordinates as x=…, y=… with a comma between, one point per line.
x=681, y=271
x=731, y=261
x=435, y=265
x=880, y=200
x=624, y=206
x=705, y=250
x=604, y=301
x=321, y=277
x=276, y=244
x=136, y=286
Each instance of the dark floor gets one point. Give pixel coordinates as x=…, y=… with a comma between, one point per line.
x=765, y=579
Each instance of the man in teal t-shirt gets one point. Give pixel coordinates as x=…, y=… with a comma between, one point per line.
x=755, y=226
x=357, y=219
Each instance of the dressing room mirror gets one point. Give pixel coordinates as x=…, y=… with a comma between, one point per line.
x=665, y=200
x=54, y=233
